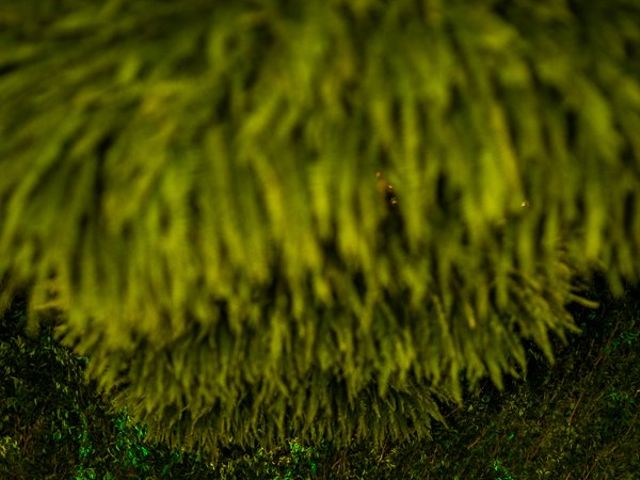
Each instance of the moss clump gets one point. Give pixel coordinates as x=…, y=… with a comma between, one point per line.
x=194, y=184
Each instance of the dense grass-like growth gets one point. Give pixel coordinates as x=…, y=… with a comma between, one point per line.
x=204, y=189
x=576, y=420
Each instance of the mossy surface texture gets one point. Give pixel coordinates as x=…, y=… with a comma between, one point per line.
x=275, y=219
x=322, y=220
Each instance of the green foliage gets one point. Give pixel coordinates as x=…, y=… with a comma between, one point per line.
x=54, y=425
x=192, y=184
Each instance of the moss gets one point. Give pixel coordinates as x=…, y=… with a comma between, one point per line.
x=272, y=184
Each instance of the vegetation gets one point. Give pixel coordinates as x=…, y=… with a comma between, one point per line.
x=191, y=188
x=577, y=420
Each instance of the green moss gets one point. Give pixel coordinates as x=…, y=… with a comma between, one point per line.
x=227, y=198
